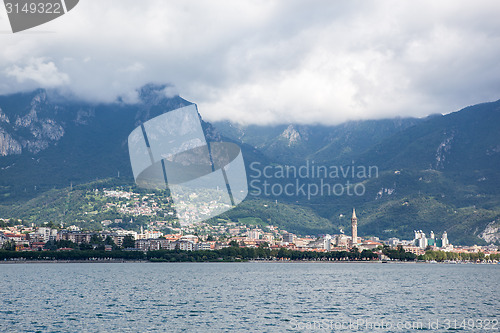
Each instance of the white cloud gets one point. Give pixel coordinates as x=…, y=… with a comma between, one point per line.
x=269, y=61
x=170, y=91
x=133, y=68
x=43, y=73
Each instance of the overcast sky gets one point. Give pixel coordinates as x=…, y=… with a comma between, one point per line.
x=268, y=61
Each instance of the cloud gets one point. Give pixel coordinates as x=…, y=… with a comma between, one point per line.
x=134, y=68
x=43, y=73
x=170, y=92
x=269, y=61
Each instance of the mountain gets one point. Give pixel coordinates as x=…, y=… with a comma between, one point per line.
x=48, y=141
x=448, y=177
x=333, y=144
x=463, y=140
x=438, y=173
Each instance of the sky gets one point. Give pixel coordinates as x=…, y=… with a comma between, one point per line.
x=267, y=62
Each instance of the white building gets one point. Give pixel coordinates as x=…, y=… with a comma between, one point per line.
x=327, y=242
x=444, y=240
x=202, y=246
x=190, y=238
x=342, y=240
x=393, y=241
x=420, y=239
x=185, y=245
x=43, y=234
x=254, y=234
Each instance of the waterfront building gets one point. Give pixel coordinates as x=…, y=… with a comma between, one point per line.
x=393, y=242
x=44, y=234
x=341, y=240
x=422, y=241
x=185, y=245
x=203, y=246
x=289, y=237
x=76, y=237
x=327, y=242
x=369, y=245
x=417, y=250
x=444, y=240
x=146, y=245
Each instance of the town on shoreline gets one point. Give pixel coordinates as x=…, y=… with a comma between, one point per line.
x=225, y=243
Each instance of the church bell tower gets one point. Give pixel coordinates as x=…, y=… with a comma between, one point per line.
x=354, y=227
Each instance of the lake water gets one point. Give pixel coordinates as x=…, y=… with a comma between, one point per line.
x=242, y=297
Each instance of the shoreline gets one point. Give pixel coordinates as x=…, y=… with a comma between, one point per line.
x=121, y=261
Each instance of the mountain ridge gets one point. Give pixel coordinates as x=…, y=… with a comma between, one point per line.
x=439, y=172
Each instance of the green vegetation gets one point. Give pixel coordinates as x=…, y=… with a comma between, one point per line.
x=398, y=254
x=128, y=242
x=71, y=255
x=86, y=206
x=453, y=256
x=233, y=253
x=290, y=217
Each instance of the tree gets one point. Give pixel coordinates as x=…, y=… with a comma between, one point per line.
x=85, y=246
x=410, y=256
x=128, y=242
x=109, y=241
x=96, y=240
x=234, y=243
x=50, y=225
x=9, y=245
x=282, y=253
x=65, y=243
x=367, y=254
x=54, y=245
x=50, y=245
